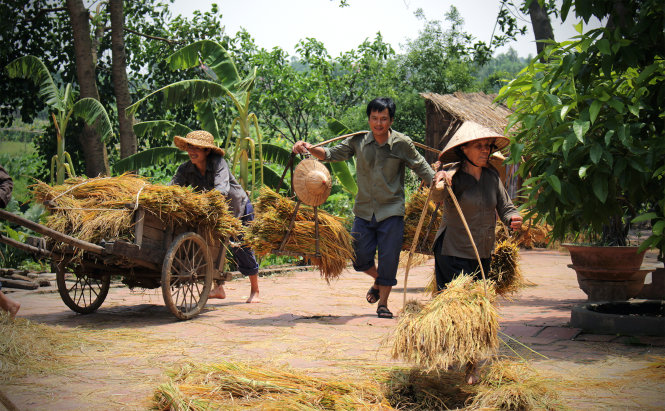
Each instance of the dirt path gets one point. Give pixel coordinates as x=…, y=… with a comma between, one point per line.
x=323, y=329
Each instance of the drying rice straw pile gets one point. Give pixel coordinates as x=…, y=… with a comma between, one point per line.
x=237, y=385
x=510, y=385
x=458, y=326
x=414, y=208
x=504, y=268
x=273, y=216
x=96, y=209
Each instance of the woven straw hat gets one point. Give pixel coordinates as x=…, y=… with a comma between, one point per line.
x=470, y=131
x=198, y=138
x=312, y=182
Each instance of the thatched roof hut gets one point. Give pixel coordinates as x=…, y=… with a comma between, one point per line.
x=447, y=112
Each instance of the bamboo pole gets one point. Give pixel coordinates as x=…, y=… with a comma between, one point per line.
x=337, y=138
x=414, y=242
x=56, y=235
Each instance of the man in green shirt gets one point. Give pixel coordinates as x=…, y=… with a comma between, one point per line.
x=381, y=156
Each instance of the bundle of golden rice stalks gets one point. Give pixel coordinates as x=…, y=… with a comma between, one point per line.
x=417, y=259
x=509, y=385
x=415, y=389
x=458, y=326
x=272, y=220
x=236, y=385
x=102, y=208
x=504, y=268
x=530, y=235
x=414, y=208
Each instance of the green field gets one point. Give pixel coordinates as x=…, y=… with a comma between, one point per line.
x=16, y=147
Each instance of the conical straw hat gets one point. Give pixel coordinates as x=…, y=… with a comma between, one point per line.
x=312, y=182
x=470, y=131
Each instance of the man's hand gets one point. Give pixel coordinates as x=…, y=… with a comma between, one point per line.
x=516, y=222
x=301, y=147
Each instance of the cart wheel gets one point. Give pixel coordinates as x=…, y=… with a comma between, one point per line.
x=86, y=294
x=187, y=275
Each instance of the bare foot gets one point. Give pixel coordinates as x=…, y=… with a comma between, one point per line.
x=472, y=375
x=218, y=292
x=13, y=309
x=254, y=298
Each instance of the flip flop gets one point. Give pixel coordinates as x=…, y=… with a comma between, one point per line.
x=383, y=312
x=372, y=295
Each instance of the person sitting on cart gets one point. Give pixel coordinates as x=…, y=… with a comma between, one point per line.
x=207, y=170
x=6, y=185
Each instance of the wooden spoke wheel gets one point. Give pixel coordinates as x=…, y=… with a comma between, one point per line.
x=82, y=291
x=187, y=275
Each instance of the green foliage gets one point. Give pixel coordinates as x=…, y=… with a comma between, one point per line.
x=590, y=126
x=64, y=106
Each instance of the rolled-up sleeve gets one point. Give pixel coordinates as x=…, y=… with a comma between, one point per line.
x=221, y=178
x=504, y=205
x=417, y=163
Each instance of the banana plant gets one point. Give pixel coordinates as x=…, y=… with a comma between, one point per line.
x=64, y=106
x=225, y=82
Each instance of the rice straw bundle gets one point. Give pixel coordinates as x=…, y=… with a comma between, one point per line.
x=504, y=268
x=101, y=208
x=273, y=216
x=460, y=325
x=415, y=389
x=509, y=385
x=224, y=385
x=530, y=235
x=416, y=260
x=414, y=208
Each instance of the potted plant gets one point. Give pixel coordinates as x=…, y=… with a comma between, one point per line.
x=588, y=133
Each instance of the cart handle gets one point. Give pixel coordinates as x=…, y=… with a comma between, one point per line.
x=56, y=235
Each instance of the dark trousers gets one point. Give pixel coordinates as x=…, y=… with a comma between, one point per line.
x=448, y=267
x=244, y=256
x=385, y=235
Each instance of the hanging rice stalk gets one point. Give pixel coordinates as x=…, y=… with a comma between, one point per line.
x=504, y=268
x=509, y=385
x=273, y=216
x=460, y=325
x=236, y=385
x=414, y=208
x=530, y=235
x=102, y=208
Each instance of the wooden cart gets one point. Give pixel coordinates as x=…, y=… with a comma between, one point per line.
x=177, y=258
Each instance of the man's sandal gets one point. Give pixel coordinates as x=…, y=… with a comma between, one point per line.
x=383, y=312
x=372, y=295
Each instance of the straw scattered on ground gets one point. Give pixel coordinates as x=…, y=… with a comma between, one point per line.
x=101, y=208
x=413, y=211
x=273, y=216
x=28, y=348
x=244, y=386
x=458, y=326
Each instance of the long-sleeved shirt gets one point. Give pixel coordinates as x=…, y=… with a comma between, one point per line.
x=6, y=186
x=217, y=176
x=480, y=201
x=380, y=172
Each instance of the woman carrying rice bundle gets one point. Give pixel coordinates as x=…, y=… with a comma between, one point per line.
x=207, y=170
x=481, y=196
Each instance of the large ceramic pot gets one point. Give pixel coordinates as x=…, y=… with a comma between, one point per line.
x=608, y=273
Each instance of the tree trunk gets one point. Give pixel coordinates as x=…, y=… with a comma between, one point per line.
x=128, y=145
x=542, y=27
x=94, y=151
